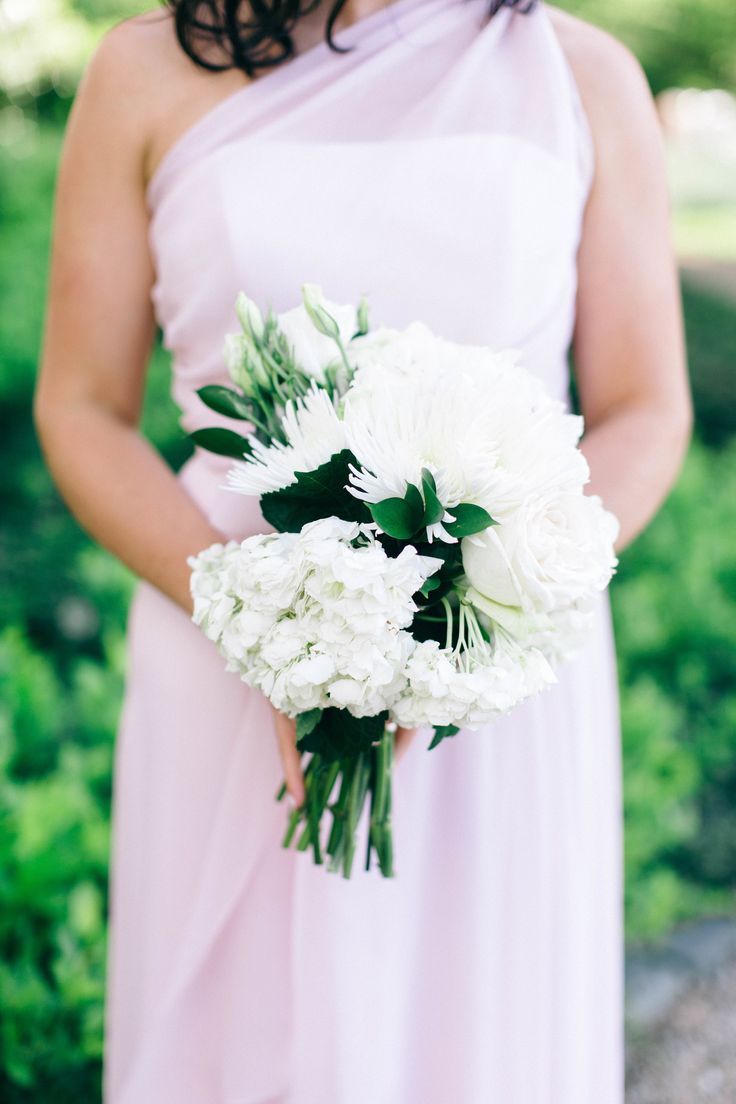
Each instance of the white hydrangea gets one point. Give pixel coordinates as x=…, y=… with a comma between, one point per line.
x=471, y=686
x=311, y=619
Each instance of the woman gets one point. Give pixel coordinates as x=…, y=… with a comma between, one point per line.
x=502, y=179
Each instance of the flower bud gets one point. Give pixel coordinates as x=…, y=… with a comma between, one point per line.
x=321, y=319
x=250, y=317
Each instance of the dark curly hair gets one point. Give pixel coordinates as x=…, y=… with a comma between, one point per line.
x=248, y=30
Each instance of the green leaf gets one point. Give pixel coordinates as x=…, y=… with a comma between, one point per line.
x=362, y=317
x=339, y=735
x=441, y=732
x=317, y=494
x=469, y=519
x=224, y=400
x=433, y=508
x=400, y=518
x=429, y=584
x=428, y=478
x=222, y=441
x=306, y=723
x=413, y=499
x=450, y=553
x=394, y=517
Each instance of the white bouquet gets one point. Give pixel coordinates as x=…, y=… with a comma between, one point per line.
x=435, y=553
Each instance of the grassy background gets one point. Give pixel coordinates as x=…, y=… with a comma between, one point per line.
x=63, y=600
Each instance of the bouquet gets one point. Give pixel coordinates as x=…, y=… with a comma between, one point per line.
x=434, y=554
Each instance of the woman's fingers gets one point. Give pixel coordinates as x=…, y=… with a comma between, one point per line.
x=402, y=739
x=290, y=756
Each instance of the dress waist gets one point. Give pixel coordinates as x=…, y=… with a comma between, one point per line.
x=237, y=516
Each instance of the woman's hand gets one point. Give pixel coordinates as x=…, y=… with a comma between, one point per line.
x=291, y=759
x=285, y=728
x=403, y=738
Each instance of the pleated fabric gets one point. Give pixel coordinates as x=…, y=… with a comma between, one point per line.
x=442, y=167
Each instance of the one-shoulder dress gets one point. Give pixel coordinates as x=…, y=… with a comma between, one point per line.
x=441, y=167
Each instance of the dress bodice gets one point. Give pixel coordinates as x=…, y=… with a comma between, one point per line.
x=441, y=168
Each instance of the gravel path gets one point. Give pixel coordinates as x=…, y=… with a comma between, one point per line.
x=692, y=1058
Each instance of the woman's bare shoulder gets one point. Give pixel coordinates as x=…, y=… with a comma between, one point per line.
x=610, y=78
x=148, y=87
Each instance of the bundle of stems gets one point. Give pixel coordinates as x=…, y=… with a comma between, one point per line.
x=356, y=779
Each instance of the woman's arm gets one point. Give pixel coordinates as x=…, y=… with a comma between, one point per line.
x=98, y=335
x=628, y=346
x=99, y=330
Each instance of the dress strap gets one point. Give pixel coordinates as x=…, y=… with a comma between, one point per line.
x=419, y=69
x=409, y=22
x=576, y=136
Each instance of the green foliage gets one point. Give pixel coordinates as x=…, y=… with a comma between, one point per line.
x=711, y=348
x=63, y=602
x=674, y=602
x=316, y=494
x=224, y=442
x=335, y=734
x=407, y=517
x=443, y=732
x=469, y=519
x=400, y=518
x=55, y=763
x=225, y=400
x=678, y=43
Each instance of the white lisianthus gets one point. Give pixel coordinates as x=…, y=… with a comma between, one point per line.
x=313, y=434
x=240, y=350
x=249, y=316
x=555, y=549
x=313, y=349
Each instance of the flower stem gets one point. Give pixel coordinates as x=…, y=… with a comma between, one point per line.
x=380, y=824
x=367, y=773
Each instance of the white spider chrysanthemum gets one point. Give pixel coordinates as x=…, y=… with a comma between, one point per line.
x=481, y=423
x=418, y=402
x=313, y=433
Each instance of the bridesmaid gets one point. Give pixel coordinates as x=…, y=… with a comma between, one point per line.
x=155, y=86
x=139, y=95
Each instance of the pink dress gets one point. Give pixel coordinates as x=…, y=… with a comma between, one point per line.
x=442, y=167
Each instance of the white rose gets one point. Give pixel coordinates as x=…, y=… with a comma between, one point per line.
x=549, y=553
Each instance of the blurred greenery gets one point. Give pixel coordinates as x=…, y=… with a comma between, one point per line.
x=63, y=600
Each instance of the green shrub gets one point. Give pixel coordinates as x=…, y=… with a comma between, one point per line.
x=674, y=601
x=55, y=763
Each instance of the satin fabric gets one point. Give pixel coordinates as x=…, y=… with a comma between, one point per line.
x=442, y=167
